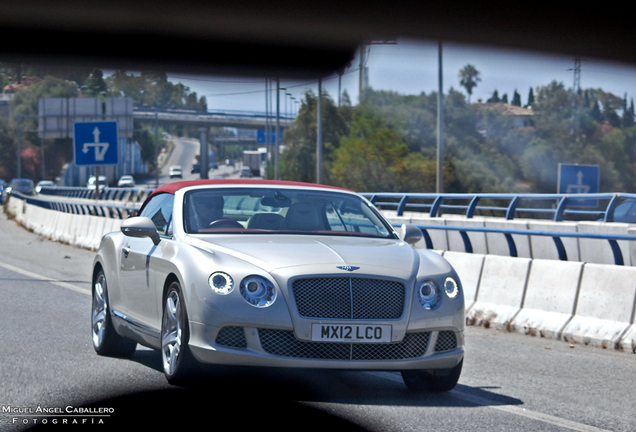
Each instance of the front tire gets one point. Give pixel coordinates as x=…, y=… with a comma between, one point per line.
x=436, y=380
x=106, y=341
x=179, y=365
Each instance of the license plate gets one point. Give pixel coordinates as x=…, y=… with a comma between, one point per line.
x=350, y=333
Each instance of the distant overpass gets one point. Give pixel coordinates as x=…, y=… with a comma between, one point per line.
x=237, y=119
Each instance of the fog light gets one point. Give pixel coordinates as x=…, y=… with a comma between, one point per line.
x=429, y=294
x=258, y=291
x=221, y=283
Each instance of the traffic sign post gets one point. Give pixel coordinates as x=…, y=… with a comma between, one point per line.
x=577, y=179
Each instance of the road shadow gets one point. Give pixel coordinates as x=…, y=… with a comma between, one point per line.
x=293, y=399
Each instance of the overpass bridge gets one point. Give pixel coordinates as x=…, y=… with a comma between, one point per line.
x=235, y=119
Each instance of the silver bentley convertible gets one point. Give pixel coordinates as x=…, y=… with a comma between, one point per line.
x=276, y=274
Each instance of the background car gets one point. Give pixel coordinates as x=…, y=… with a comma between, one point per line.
x=626, y=211
x=21, y=185
x=3, y=186
x=246, y=172
x=175, y=171
x=43, y=183
x=126, y=181
x=276, y=274
x=103, y=182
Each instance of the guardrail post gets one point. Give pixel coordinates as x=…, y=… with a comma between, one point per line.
x=609, y=212
x=510, y=213
x=560, y=210
x=563, y=256
x=471, y=207
x=511, y=245
x=402, y=205
x=436, y=205
x=618, y=255
x=467, y=244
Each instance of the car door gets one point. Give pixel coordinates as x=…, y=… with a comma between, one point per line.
x=137, y=276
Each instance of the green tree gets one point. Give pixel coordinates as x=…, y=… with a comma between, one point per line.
x=516, y=99
x=530, y=98
x=468, y=78
x=95, y=85
x=374, y=157
x=494, y=98
x=298, y=160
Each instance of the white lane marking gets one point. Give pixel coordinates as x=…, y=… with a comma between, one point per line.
x=511, y=409
x=43, y=278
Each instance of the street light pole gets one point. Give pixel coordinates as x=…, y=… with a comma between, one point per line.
x=440, y=126
x=319, y=141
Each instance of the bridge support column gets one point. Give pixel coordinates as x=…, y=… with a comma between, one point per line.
x=203, y=158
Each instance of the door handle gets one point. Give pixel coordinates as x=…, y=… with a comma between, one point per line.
x=126, y=251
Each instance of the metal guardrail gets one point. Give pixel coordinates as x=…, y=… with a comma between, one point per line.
x=557, y=207
x=508, y=233
x=124, y=211
x=105, y=194
x=88, y=208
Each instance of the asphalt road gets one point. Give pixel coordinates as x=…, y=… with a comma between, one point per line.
x=510, y=382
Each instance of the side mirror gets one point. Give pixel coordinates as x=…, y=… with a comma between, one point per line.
x=410, y=234
x=141, y=226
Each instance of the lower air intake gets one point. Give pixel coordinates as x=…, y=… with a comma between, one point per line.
x=283, y=343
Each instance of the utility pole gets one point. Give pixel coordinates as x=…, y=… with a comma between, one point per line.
x=276, y=139
x=319, y=141
x=576, y=88
x=363, y=72
x=362, y=75
x=440, y=125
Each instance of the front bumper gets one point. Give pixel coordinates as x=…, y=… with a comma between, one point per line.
x=251, y=346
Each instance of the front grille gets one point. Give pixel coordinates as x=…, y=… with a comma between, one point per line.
x=283, y=343
x=446, y=341
x=232, y=337
x=349, y=298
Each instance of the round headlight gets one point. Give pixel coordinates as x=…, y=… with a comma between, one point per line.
x=258, y=291
x=429, y=294
x=451, y=288
x=221, y=283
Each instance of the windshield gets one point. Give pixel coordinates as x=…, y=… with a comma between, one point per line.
x=279, y=211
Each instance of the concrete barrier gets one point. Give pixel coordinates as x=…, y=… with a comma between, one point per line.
x=477, y=239
x=550, y=299
x=469, y=267
x=544, y=248
x=501, y=291
x=497, y=243
x=599, y=251
x=605, y=306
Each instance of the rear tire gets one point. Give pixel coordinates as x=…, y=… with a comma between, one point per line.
x=106, y=341
x=179, y=365
x=436, y=380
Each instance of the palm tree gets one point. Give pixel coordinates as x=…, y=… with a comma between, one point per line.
x=468, y=78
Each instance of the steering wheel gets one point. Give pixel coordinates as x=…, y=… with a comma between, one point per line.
x=225, y=223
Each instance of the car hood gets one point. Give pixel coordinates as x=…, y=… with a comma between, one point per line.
x=271, y=252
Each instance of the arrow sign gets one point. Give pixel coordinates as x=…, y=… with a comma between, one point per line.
x=577, y=179
x=95, y=143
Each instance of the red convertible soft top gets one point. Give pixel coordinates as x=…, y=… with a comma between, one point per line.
x=171, y=188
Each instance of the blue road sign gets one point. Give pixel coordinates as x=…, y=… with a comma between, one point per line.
x=575, y=179
x=261, y=135
x=95, y=143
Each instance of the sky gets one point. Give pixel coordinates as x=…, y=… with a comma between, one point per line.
x=411, y=67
